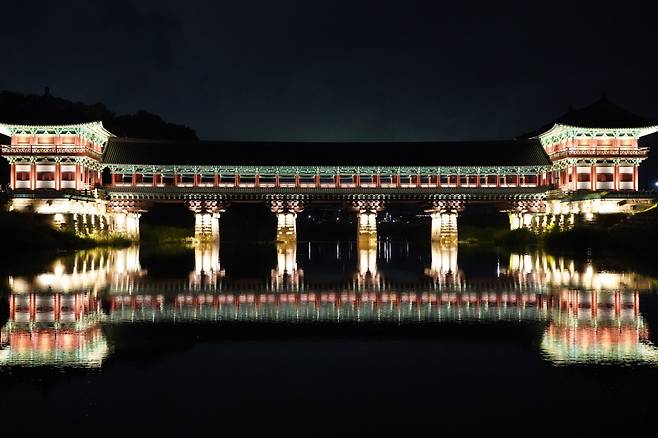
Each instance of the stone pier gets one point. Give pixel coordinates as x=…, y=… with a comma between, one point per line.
x=206, y=219
x=444, y=221
x=125, y=223
x=366, y=220
x=286, y=218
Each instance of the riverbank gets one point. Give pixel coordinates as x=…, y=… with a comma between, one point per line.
x=33, y=232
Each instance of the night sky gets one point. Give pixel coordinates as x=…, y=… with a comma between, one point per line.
x=335, y=70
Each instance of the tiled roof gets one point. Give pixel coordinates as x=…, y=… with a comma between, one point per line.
x=483, y=153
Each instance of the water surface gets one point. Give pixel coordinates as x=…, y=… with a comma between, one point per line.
x=326, y=338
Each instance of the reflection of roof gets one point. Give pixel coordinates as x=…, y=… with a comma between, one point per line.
x=482, y=153
x=47, y=347
x=601, y=114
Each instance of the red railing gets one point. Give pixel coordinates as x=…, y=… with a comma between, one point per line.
x=585, y=151
x=50, y=149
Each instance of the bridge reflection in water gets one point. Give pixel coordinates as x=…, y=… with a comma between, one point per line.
x=56, y=318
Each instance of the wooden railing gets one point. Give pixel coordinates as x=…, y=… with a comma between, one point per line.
x=47, y=149
x=585, y=151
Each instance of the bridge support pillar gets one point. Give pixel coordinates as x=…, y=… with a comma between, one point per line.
x=444, y=221
x=529, y=214
x=126, y=224
x=366, y=221
x=286, y=219
x=123, y=218
x=206, y=219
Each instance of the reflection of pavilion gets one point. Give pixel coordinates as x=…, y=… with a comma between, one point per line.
x=598, y=327
x=444, y=267
x=53, y=329
x=286, y=275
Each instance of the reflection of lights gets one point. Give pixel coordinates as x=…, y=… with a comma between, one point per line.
x=85, y=270
x=548, y=271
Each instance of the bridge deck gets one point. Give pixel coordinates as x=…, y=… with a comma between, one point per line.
x=328, y=194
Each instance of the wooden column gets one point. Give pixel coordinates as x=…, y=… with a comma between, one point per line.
x=133, y=181
x=615, y=177
x=12, y=176
x=593, y=178
x=237, y=180
x=33, y=176
x=58, y=176
x=636, y=183
x=216, y=183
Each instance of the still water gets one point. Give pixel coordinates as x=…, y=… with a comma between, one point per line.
x=325, y=338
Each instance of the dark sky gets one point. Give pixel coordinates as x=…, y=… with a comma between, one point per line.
x=313, y=69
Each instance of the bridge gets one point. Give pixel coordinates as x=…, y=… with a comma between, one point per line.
x=575, y=167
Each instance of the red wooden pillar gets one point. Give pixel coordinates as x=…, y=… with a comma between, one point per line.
x=237, y=180
x=155, y=179
x=297, y=180
x=418, y=180
x=477, y=180
x=378, y=180
x=58, y=176
x=277, y=180
x=12, y=176
x=216, y=181
x=195, y=182
x=257, y=180
x=337, y=180
x=33, y=176
x=317, y=180
x=497, y=180
x=397, y=180
x=593, y=178
x=636, y=184
x=459, y=180
x=438, y=180
x=133, y=182
x=357, y=180
x=615, y=177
